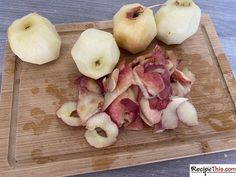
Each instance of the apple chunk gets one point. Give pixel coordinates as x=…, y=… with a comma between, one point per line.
x=134, y=27
x=95, y=53
x=34, y=39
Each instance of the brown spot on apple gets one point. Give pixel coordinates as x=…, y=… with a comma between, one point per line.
x=134, y=12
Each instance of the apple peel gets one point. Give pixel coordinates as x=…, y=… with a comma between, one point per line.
x=124, y=82
x=113, y=80
x=136, y=125
x=90, y=99
x=152, y=115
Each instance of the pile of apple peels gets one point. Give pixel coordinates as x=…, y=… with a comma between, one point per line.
x=149, y=90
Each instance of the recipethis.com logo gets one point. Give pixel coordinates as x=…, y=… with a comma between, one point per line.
x=212, y=170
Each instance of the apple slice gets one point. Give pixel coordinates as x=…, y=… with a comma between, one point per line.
x=95, y=53
x=34, y=39
x=102, y=121
x=187, y=113
x=65, y=112
x=169, y=118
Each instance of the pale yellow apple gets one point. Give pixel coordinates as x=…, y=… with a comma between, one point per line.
x=34, y=39
x=95, y=53
x=134, y=34
x=176, y=22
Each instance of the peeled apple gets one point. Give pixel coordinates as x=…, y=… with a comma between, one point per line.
x=95, y=53
x=177, y=21
x=34, y=39
x=134, y=27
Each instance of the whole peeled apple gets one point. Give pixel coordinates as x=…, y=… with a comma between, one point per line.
x=34, y=39
x=95, y=53
x=134, y=27
x=177, y=21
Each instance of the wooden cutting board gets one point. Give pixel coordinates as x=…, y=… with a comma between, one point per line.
x=34, y=142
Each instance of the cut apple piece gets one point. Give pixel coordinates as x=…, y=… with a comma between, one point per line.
x=65, y=112
x=134, y=27
x=89, y=103
x=187, y=113
x=152, y=115
x=169, y=118
x=95, y=53
x=102, y=121
x=34, y=39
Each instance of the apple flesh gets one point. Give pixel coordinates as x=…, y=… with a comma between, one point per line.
x=177, y=21
x=134, y=27
x=34, y=39
x=95, y=53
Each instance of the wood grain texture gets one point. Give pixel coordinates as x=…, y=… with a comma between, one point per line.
x=224, y=20
x=40, y=142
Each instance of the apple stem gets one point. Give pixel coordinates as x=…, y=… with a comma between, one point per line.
x=156, y=5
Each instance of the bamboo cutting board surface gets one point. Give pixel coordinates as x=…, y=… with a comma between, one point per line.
x=34, y=142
